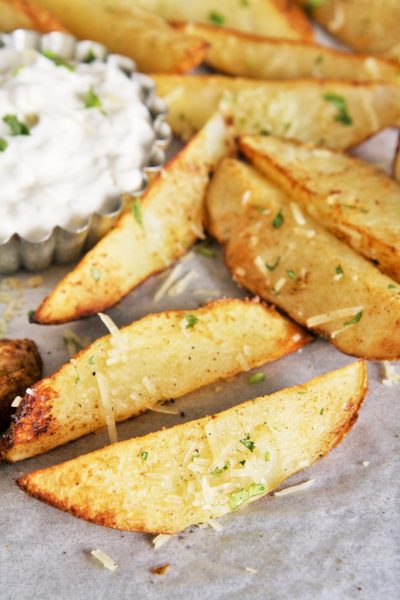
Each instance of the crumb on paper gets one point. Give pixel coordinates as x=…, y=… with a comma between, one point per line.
x=161, y=569
x=295, y=488
x=161, y=539
x=106, y=561
x=250, y=570
x=391, y=376
x=365, y=463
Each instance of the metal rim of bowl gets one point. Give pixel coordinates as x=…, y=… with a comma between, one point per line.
x=63, y=245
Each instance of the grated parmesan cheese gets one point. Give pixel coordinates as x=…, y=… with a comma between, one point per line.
x=180, y=286
x=106, y=561
x=170, y=280
x=280, y=283
x=120, y=350
x=246, y=197
x=107, y=407
x=365, y=463
x=160, y=540
x=215, y=524
x=297, y=214
x=259, y=263
x=250, y=570
x=197, y=230
x=16, y=402
x=332, y=315
x=391, y=375
x=295, y=488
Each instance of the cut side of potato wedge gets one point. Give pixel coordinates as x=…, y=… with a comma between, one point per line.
x=336, y=114
x=159, y=229
x=279, y=253
x=19, y=14
x=201, y=470
x=204, y=345
x=356, y=201
x=276, y=18
x=248, y=55
x=126, y=28
x=371, y=26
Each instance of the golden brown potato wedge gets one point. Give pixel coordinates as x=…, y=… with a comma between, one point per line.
x=306, y=110
x=247, y=55
x=204, y=345
x=20, y=367
x=368, y=26
x=165, y=481
x=356, y=201
x=20, y=14
x=127, y=29
x=275, y=18
x=279, y=253
x=159, y=229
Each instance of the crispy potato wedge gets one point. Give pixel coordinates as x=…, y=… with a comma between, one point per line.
x=275, y=18
x=20, y=367
x=306, y=110
x=158, y=230
x=356, y=201
x=279, y=253
x=213, y=342
x=368, y=26
x=247, y=55
x=19, y=14
x=127, y=29
x=156, y=483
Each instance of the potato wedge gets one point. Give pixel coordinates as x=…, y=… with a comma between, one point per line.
x=213, y=342
x=279, y=253
x=368, y=26
x=20, y=367
x=305, y=110
x=276, y=18
x=127, y=29
x=154, y=484
x=356, y=201
x=20, y=14
x=247, y=55
x=158, y=230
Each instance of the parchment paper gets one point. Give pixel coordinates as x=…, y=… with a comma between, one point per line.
x=338, y=540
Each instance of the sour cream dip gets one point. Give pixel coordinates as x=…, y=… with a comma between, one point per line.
x=73, y=137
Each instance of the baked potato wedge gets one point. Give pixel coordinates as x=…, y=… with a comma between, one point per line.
x=306, y=110
x=279, y=253
x=356, y=201
x=276, y=18
x=20, y=367
x=127, y=29
x=159, y=229
x=20, y=14
x=368, y=26
x=248, y=55
x=167, y=480
x=217, y=341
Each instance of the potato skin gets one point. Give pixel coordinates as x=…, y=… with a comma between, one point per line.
x=20, y=367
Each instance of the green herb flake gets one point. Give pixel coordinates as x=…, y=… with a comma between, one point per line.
x=321, y=412
x=256, y=378
x=354, y=320
x=16, y=127
x=137, y=211
x=31, y=313
x=92, y=360
x=58, y=60
x=91, y=100
x=90, y=56
x=238, y=498
x=339, y=270
x=267, y=456
x=71, y=341
x=3, y=144
x=144, y=455
x=264, y=132
x=96, y=274
x=245, y=2
x=319, y=59
x=278, y=220
x=274, y=265
x=340, y=103
x=248, y=443
x=216, y=18
x=391, y=286
x=242, y=462
x=191, y=320
x=219, y=470
x=310, y=5
x=291, y=274
x=204, y=250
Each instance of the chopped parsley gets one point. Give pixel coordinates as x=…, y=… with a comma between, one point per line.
x=244, y=2
x=264, y=132
x=354, y=320
x=237, y=498
x=310, y=5
x=90, y=56
x=267, y=456
x=248, y=443
x=16, y=126
x=71, y=341
x=216, y=18
x=274, y=265
x=291, y=274
x=3, y=144
x=219, y=470
x=319, y=59
x=321, y=412
x=137, y=211
x=339, y=270
x=96, y=274
x=92, y=100
x=278, y=220
x=144, y=455
x=391, y=286
x=191, y=320
x=92, y=360
x=31, y=314
x=242, y=462
x=58, y=60
x=340, y=103
x=256, y=378
x=204, y=250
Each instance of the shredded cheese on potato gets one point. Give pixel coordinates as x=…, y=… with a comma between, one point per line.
x=107, y=407
x=297, y=214
x=119, y=352
x=333, y=315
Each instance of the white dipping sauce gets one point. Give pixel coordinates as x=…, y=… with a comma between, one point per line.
x=76, y=160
